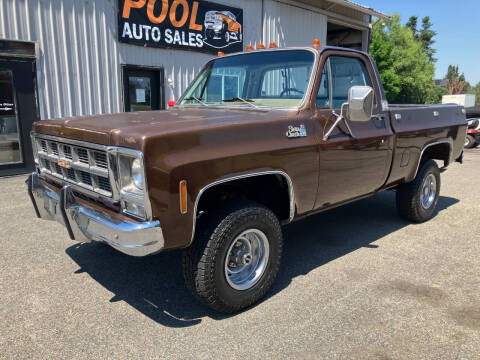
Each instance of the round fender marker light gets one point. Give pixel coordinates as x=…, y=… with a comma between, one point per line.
x=221, y=53
x=249, y=47
x=260, y=46
x=272, y=45
x=316, y=43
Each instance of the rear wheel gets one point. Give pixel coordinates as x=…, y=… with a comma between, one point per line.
x=469, y=142
x=417, y=200
x=234, y=260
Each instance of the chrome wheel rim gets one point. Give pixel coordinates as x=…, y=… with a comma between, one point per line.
x=467, y=142
x=247, y=259
x=429, y=190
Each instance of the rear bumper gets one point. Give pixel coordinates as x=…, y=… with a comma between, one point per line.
x=86, y=223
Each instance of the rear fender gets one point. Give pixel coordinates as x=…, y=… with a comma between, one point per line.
x=430, y=148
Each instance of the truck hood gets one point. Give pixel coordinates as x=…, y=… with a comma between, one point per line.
x=134, y=128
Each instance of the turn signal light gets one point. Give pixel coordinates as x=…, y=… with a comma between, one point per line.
x=316, y=43
x=171, y=103
x=221, y=53
x=249, y=47
x=260, y=46
x=273, y=44
x=183, y=196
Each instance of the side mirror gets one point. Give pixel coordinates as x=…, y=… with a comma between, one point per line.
x=360, y=108
x=360, y=103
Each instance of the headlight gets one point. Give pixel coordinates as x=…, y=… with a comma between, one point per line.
x=137, y=173
x=131, y=175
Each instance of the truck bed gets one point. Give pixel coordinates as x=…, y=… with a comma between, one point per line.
x=418, y=126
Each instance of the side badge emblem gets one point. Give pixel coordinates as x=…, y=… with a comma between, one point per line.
x=296, y=131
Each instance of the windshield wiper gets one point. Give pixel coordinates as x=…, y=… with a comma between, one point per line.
x=246, y=101
x=196, y=99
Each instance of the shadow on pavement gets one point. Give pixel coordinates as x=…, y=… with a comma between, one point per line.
x=154, y=285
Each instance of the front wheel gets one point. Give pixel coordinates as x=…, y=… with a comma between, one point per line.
x=235, y=259
x=469, y=142
x=417, y=200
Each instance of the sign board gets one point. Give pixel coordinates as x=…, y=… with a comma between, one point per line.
x=181, y=24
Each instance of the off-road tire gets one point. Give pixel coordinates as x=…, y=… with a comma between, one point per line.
x=203, y=262
x=471, y=142
x=409, y=203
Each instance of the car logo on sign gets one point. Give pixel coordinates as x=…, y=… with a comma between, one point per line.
x=64, y=164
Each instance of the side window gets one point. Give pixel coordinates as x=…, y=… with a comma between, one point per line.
x=323, y=95
x=346, y=72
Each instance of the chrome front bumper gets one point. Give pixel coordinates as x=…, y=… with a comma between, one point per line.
x=85, y=223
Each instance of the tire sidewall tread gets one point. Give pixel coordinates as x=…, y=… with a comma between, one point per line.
x=408, y=195
x=203, y=261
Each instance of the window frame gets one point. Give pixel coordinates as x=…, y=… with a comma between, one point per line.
x=305, y=101
x=369, y=70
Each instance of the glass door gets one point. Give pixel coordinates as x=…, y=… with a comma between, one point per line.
x=142, y=89
x=10, y=144
x=18, y=111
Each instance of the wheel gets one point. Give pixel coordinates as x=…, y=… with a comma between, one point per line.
x=417, y=200
x=209, y=34
x=234, y=260
x=469, y=142
x=473, y=123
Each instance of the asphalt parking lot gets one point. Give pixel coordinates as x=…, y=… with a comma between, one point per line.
x=356, y=282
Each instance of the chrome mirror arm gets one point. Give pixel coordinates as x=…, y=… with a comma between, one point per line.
x=340, y=117
x=335, y=124
x=348, y=128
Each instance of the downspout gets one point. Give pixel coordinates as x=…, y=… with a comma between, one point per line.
x=369, y=31
x=262, y=22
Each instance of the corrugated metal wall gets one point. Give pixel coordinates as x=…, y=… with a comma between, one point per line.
x=76, y=53
x=79, y=57
x=289, y=25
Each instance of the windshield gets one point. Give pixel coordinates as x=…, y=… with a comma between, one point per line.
x=270, y=79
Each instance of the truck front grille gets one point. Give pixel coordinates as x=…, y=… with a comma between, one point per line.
x=82, y=165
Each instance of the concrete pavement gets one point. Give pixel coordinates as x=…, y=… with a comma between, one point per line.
x=356, y=282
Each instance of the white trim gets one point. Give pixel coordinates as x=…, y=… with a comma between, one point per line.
x=332, y=16
x=361, y=8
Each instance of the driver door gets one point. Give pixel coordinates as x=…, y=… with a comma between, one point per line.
x=350, y=167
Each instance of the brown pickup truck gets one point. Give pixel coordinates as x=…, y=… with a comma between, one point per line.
x=259, y=139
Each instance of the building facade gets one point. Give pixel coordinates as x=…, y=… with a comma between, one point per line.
x=65, y=58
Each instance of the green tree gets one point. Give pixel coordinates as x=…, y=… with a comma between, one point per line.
x=434, y=96
x=425, y=36
x=412, y=25
x=406, y=72
x=475, y=90
x=453, y=72
x=456, y=83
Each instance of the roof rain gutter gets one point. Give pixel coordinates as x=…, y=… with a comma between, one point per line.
x=363, y=9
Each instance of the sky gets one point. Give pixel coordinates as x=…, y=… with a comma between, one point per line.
x=457, y=23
